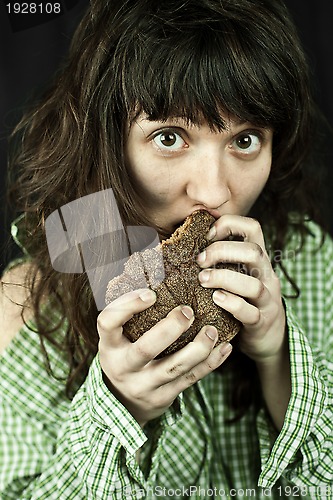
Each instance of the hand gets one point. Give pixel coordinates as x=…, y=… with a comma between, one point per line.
x=253, y=298
x=144, y=385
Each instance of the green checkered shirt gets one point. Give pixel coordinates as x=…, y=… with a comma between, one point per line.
x=55, y=449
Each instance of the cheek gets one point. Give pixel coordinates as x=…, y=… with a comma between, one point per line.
x=250, y=186
x=259, y=181
x=261, y=173
x=142, y=173
x=153, y=186
x=157, y=180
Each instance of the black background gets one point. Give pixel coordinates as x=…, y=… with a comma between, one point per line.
x=32, y=48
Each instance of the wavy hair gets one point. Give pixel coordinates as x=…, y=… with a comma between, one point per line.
x=191, y=59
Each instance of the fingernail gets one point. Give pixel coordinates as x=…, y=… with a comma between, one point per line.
x=204, y=276
x=225, y=348
x=211, y=332
x=211, y=233
x=187, y=311
x=201, y=257
x=147, y=295
x=219, y=297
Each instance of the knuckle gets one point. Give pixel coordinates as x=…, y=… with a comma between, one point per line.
x=175, y=371
x=103, y=323
x=160, y=400
x=256, y=227
x=142, y=350
x=114, y=374
x=210, y=363
x=210, y=366
x=191, y=378
x=257, y=251
x=255, y=317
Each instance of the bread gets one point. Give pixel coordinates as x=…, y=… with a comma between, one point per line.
x=180, y=284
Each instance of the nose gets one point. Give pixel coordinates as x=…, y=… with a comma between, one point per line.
x=208, y=182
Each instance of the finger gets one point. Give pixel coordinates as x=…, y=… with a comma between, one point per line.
x=246, y=313
x=180, y=362
x=160, y=336
x=218, y=355
x=118, y=312
x=235, y=226
x=250, y=254
x=240, y=284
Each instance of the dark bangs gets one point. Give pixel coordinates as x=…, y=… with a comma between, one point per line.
x=198, y=62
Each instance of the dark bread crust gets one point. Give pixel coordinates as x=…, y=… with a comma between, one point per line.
x=179, y=286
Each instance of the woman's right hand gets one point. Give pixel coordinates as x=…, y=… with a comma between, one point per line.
x=144, y=385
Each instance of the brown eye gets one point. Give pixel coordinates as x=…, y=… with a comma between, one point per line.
x=168, y=139
x=248, y=143
x=244, y=141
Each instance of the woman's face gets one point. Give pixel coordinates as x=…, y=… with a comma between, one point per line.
x=181, y=167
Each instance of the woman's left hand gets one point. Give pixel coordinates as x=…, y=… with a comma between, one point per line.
x=254, y=297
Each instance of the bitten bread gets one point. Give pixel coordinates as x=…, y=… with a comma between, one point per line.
x=180, y=284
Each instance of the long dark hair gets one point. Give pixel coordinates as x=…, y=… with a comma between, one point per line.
x=192, y=59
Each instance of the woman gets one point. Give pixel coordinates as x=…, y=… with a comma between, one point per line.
x=175, y=107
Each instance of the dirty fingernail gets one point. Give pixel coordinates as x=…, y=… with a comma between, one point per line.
x=147, y=295
x=211, y=332
x=187, y=311
x=211, y=233
x=201, y=257
x=225, y=348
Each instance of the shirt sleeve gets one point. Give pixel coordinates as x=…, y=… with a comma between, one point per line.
x=302, y=453
x=53, y=448
x=106, y=458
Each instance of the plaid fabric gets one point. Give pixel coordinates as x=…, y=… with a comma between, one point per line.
x=56, y=449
